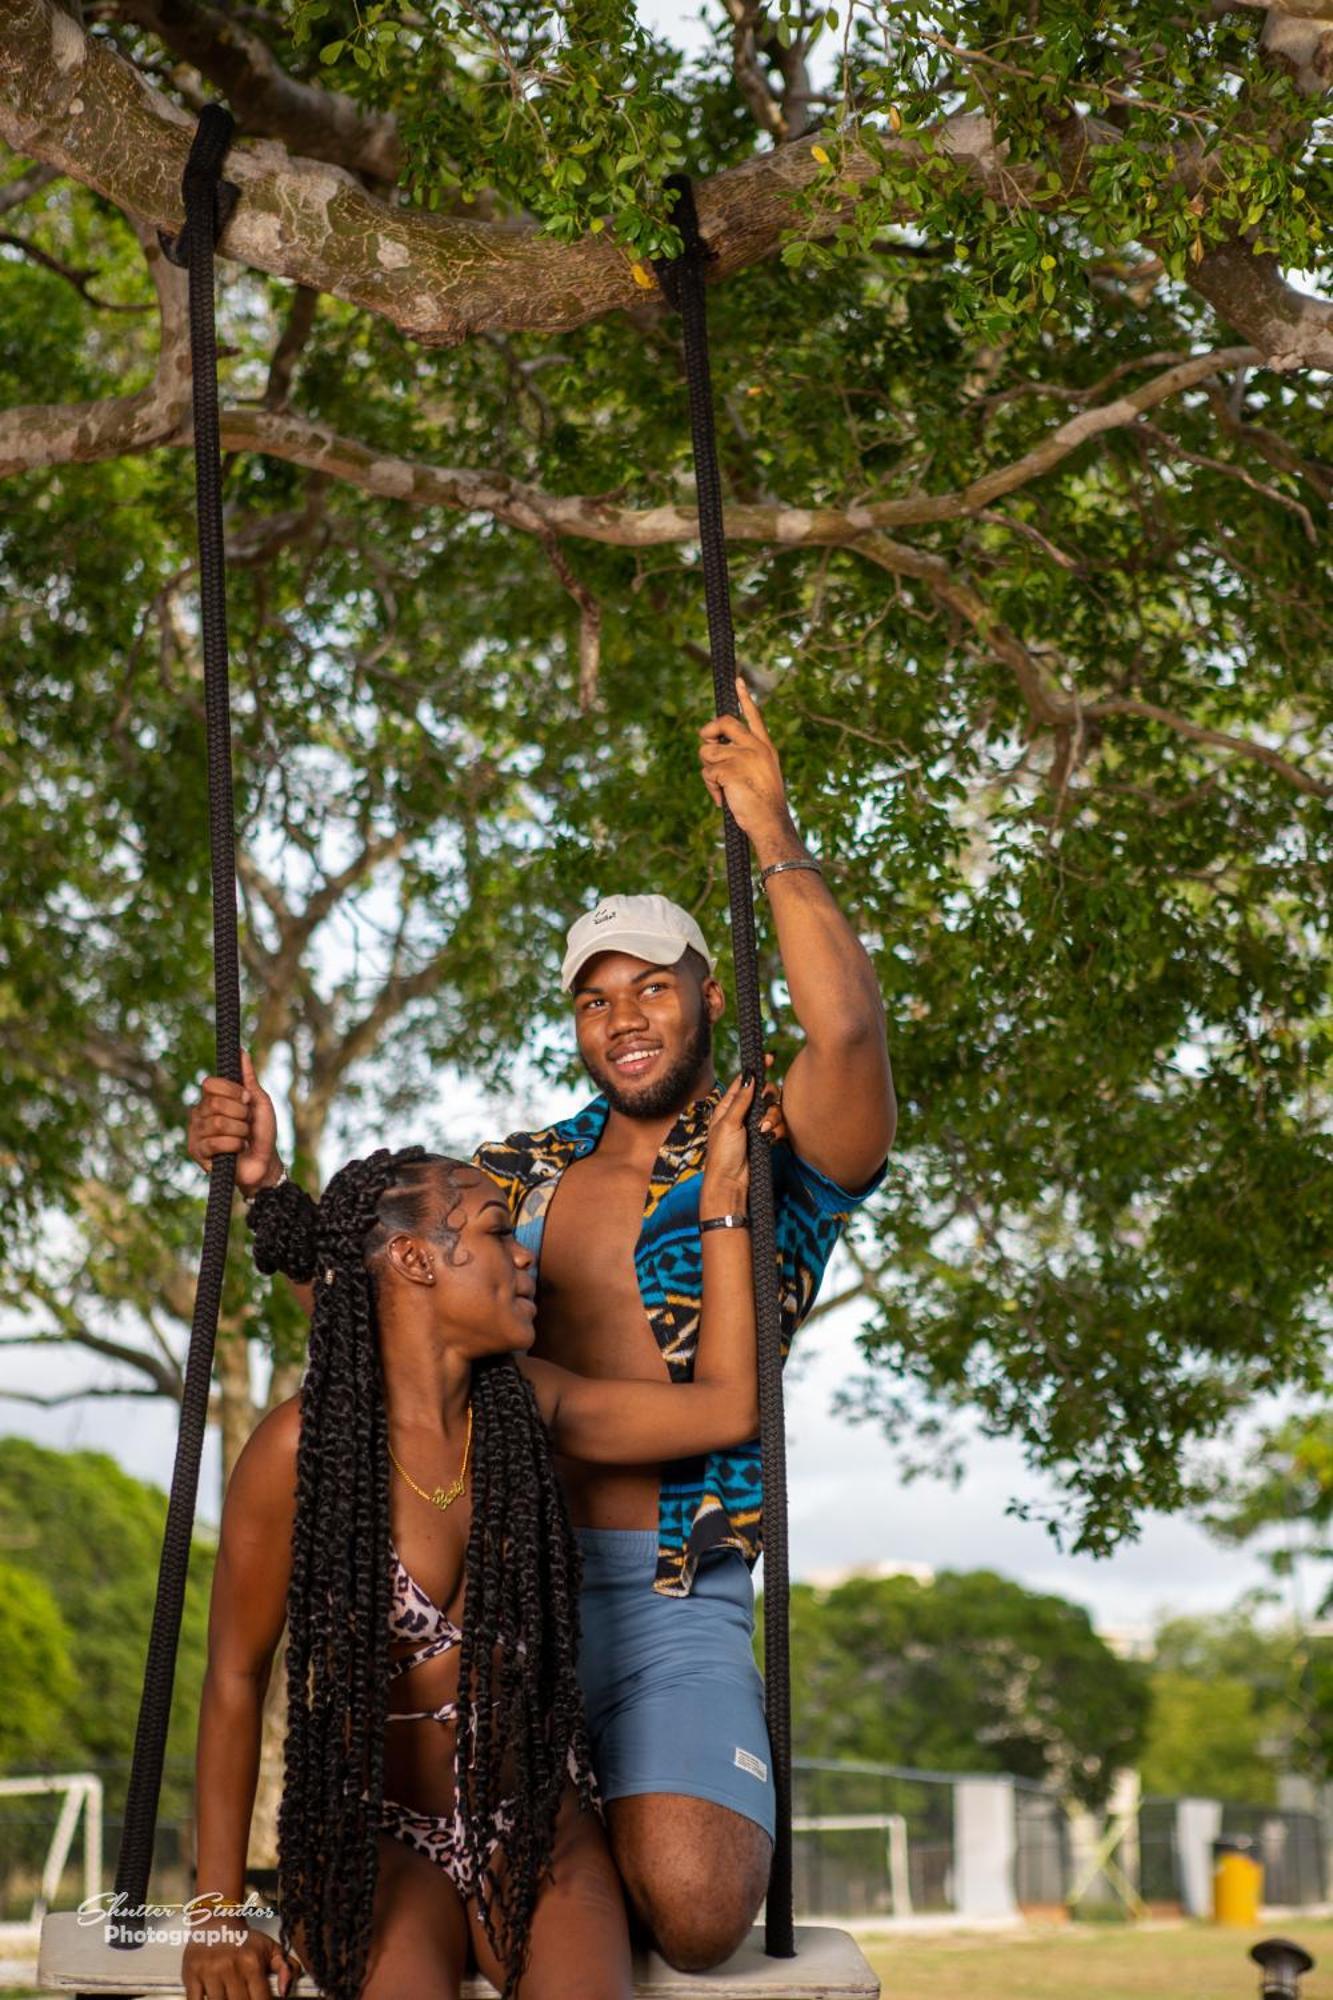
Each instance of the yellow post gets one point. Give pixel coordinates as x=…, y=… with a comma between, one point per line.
x=1238, y=1882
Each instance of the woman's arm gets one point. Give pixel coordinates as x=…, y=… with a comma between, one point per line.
x=633, y=1423
x=245, y=1620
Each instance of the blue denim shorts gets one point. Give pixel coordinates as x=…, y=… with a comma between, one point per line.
x=675, y=1701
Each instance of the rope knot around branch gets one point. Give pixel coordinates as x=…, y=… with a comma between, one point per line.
x=695, y=253
x=203, y=178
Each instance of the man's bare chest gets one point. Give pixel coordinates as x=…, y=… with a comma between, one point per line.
x=590, y=1311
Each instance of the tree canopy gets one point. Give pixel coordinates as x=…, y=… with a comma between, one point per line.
x=1234, y=1703
x=36, y=1677
x=1020, y=350
x=79, y=1543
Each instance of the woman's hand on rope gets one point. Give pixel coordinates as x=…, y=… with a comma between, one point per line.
x=237, y=1118
x=726, y=1182
x=740, y=765
x=234, y=1963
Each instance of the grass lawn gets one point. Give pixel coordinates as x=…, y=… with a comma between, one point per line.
x=1092, y=1962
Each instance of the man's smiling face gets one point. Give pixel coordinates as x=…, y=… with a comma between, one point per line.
x=645, y=1032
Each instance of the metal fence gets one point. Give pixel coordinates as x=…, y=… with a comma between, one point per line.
x=871, y=1839
x=1159, y=1856
x=1291, y=1846
x=1042, y=1854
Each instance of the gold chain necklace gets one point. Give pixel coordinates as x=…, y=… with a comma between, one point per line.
x=443, y=1496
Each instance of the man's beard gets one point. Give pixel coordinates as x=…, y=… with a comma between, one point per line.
x=672, y=1090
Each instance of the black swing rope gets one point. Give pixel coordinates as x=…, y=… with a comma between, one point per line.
x=209, y=201
x=683, y=282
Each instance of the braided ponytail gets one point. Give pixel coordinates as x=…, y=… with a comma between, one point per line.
x=283, y=1221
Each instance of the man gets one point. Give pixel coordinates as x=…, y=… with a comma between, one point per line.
x=608, y=1202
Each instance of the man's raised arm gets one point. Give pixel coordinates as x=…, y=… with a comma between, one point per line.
x=838, y=1098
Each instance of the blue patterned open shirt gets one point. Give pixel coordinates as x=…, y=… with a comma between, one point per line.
x=713, y=1502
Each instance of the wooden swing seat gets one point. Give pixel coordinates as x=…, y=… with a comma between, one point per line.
x=75, y=1958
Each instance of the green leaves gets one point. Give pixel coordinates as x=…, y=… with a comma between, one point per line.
x=570, y=113
x=1100, y=938
x=76, y=1521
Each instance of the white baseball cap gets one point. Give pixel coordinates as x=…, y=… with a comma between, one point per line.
x=649, y=927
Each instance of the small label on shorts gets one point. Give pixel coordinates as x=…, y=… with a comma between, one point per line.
x=754, y=1765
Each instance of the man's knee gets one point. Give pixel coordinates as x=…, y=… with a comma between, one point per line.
x=695, y=1877
x=698, y=1928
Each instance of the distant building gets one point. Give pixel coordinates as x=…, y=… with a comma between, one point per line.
x=829, y=1579
x=1129, y=1642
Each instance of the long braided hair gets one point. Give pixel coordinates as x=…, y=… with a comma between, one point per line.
x=521, y=1731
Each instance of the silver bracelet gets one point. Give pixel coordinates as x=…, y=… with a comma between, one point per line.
x=725, y=1222
x=781, y=868
x=248, y=1194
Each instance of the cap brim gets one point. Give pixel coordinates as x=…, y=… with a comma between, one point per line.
x=653, y=946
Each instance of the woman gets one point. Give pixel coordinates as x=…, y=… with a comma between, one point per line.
x=401, y=1516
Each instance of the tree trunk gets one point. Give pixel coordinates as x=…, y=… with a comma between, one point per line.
x=238, y=1411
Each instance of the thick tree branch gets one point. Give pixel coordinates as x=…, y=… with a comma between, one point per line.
x=1296, y=10
x=292, y=437
x=166, y=1380
x=748, y=69
x=1222, y=739
x=861, y=528
x=1290, y=328
x=40, y=434
x=1299, y=35
x=70, y=1395
x=72, y=102
x=270, y=104
x=126, y=424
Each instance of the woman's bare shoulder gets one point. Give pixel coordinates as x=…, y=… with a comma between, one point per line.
x=267, y=1464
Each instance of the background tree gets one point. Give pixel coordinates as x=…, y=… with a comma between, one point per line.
x=1027, y=467
x=36, y=1677
x=1230, y=1708
x=1282, y=1497
x=970, y=1672
x=79, y=1534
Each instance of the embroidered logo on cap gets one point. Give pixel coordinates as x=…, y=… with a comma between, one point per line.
x=606, y=915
